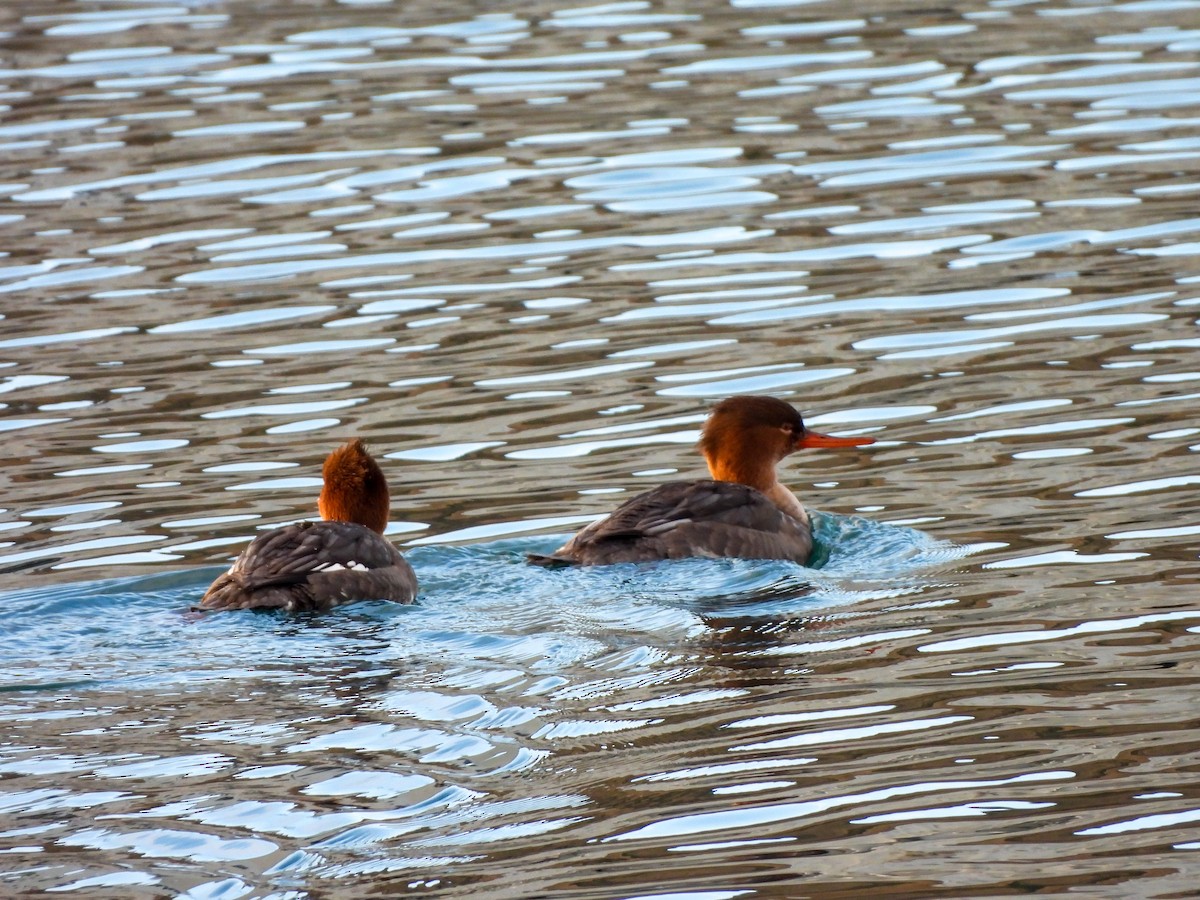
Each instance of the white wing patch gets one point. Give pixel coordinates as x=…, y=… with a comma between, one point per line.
x=351, y=566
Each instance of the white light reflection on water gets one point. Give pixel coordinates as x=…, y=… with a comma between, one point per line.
x=1095, y=627
x=596, y=221
x=756, y=817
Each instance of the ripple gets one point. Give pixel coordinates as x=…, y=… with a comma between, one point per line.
x=750, y=816
x=1072, y=322
x=839, y=735
x=518, y=250
x=553, y=238
x=751, y=384
x=1094, y=627
x=171, y=843
x=241, y=319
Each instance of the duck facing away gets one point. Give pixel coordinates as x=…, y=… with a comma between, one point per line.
x=312, y=566
x=743, y=512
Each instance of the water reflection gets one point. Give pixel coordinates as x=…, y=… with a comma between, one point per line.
x=438, y=702
x=521, y=253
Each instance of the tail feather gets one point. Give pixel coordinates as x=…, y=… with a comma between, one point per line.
x=231, y=592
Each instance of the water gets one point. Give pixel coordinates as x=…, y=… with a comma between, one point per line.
x=521, y=251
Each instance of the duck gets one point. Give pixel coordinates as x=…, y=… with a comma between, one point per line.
x=742, y=512
x=315, y=566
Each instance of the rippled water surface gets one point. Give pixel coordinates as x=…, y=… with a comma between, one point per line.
x=521, y=249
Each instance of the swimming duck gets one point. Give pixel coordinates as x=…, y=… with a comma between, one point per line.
x=319, y=565
x=744, y=512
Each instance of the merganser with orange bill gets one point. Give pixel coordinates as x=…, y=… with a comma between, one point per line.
x=743, y=513
x=313, y=566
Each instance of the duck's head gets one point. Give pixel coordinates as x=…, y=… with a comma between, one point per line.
x=355, y=488
x=745, y=438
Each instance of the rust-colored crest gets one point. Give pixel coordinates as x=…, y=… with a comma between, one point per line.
x=355, y=488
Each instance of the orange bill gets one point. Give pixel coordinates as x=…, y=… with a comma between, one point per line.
x=816, y=439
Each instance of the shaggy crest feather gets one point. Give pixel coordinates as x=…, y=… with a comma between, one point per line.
x=355, y=488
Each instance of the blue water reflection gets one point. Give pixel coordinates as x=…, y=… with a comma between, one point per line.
x=119, y=629
x=522, y=253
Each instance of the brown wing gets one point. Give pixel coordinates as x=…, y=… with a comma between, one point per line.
x=685, y=519
x=313, y=565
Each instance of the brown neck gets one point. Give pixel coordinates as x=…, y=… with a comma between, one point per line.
x=371, y=512
x=762, y=478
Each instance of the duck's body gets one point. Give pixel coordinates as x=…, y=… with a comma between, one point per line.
x=683, y=519
x=312, y=566
x=744, y=512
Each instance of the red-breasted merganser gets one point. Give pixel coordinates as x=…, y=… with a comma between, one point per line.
x=319, y=565
x=744, y=512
